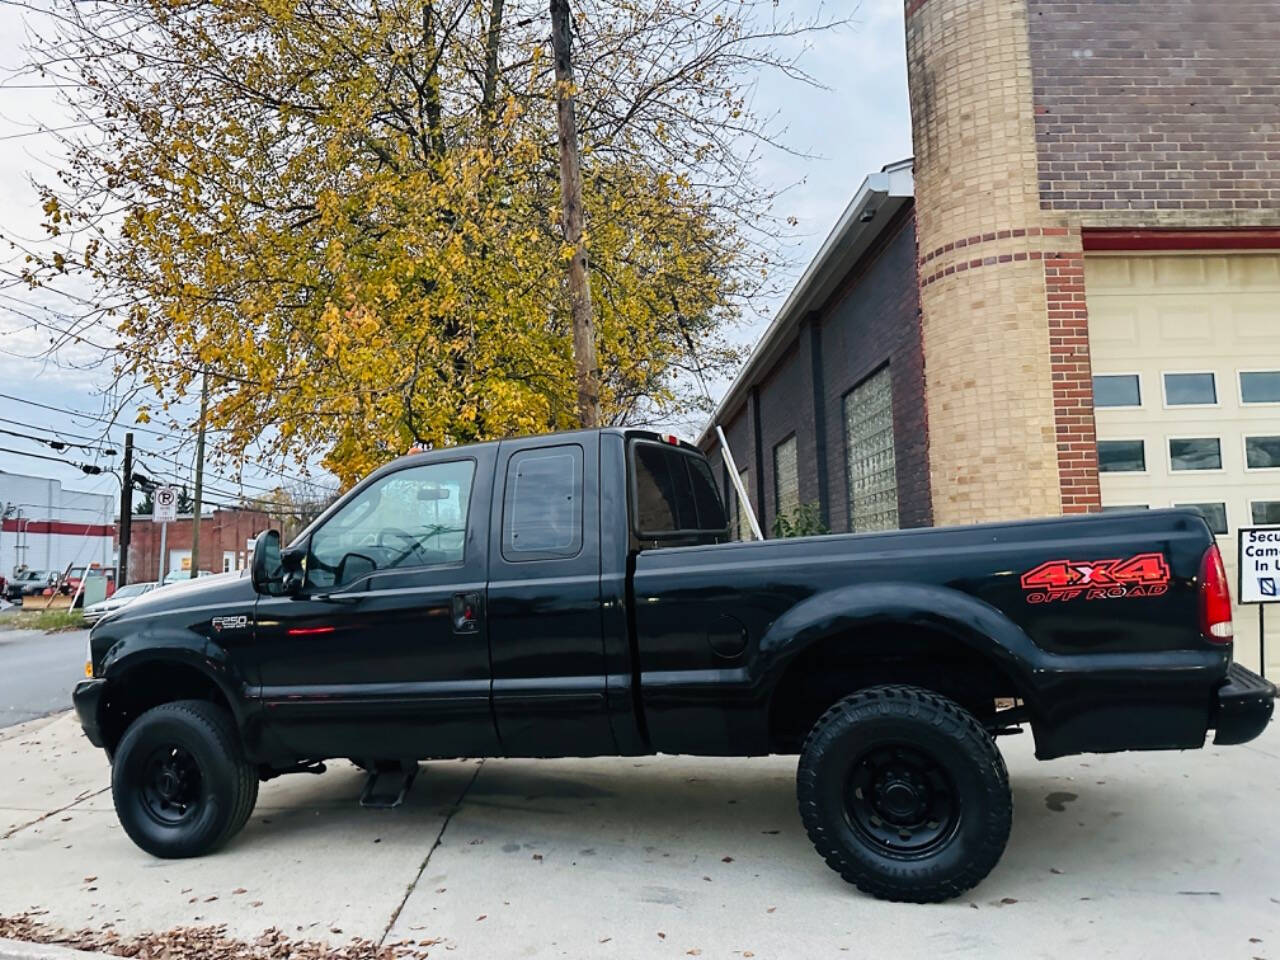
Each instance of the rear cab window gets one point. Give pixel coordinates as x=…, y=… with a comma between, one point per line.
x=674, y=500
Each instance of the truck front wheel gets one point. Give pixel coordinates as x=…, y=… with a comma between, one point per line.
x=904, y=794
x=180, y=782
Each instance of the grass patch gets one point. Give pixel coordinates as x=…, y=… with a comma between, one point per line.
x=50, y=621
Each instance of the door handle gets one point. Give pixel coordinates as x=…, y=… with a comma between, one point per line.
x=466, y=613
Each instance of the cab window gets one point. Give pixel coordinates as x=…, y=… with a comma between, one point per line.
x=542, y=507
x=416, y=517
x=674, y=494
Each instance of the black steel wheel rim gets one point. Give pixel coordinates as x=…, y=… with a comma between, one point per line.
x=901, y=801
x=171, y=785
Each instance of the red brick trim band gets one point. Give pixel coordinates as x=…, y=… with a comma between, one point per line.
x=65, y=528
x=964, y=265
x=1241, y=238
x=979, y=238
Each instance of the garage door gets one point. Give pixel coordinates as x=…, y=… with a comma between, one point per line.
x=1186, y=363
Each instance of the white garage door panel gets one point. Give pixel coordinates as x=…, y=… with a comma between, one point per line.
x=1195, y=312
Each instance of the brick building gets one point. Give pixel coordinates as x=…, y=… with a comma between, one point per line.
x=1079, y=306
x=224, y=543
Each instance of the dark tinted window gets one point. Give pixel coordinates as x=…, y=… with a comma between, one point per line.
x=1189, y=389
x=542, y=506
x=706, y=497
x=1262, y=452
x=1215, y=514
x=674, y=491
x=1260, y=387
x=1119, y=456
x=1117, y=390
x=1199, y=453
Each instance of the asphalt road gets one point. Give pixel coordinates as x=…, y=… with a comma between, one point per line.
x=37, y=672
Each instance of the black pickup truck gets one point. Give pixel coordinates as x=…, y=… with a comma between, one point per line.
x=577, y=595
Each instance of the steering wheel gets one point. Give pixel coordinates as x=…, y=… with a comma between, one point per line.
x=414, y=545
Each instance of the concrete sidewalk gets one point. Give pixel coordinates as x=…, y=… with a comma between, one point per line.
x=1134, y=855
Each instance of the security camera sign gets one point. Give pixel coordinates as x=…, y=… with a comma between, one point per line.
x=164, y=505
x=1259, y=565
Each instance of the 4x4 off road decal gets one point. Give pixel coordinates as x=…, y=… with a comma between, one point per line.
x=1143, y=575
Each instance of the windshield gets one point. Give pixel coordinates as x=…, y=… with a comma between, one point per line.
x=132, y=590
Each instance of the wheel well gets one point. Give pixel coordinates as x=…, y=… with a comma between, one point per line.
x=876, y=654
x=149, y=685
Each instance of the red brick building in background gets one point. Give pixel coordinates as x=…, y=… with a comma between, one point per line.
x=224, y=542
x=1070, y=302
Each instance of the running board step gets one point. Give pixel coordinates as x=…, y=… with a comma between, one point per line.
x=370, y=799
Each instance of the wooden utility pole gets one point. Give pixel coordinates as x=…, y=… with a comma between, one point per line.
x=580, y=309
x=198, y=507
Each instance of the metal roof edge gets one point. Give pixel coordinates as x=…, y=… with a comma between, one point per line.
x=859, y=222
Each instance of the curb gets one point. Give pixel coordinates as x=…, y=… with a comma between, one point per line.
x=25, y=950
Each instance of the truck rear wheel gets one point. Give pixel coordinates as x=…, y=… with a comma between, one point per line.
x=180, y=783
x=904, y=794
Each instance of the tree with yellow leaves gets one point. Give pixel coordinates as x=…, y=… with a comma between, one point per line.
x=348, y=211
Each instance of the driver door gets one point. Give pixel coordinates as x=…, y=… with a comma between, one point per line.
x=384, y=652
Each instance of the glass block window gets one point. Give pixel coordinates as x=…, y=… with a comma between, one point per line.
x=786, y=477
x=1121, y=456
x=1215, y=514
x=1262, y=453
x=1190, y=389
x=1199, y=453
x=1117, y=390
x=1265, y=511
x=871, y=469
x=1260, y=386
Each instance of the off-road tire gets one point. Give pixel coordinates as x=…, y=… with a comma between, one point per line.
x=227, y=785
x=919, y=721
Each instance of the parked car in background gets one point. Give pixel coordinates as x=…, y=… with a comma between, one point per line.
x=126, y=594
x=29, y=583
x=179, y=576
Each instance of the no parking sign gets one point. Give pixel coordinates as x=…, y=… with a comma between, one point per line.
x=165, y=505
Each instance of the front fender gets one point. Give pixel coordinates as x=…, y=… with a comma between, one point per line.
x=178, y=647
x=847, y=610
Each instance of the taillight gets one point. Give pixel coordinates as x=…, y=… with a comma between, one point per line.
x=1215, y=598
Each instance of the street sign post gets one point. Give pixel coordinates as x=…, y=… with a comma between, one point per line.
x=164, y=511
x=1259, y=582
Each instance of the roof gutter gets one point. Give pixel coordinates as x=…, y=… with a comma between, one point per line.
x=879, y=197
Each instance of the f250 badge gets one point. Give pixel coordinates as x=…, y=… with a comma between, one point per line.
x=230, y=623
x=1142, y=575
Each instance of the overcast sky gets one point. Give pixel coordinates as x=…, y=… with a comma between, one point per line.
x=852, y=128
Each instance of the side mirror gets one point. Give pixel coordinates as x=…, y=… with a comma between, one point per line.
x=267, y=570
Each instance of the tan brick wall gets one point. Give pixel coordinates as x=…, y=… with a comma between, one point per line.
x=985, y=252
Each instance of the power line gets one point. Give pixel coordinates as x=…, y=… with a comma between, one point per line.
x=90, y=468
x=61, y=444
x=113, y=424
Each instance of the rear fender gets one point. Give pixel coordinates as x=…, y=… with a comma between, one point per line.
x=847, y=611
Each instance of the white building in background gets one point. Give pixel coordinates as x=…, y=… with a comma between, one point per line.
x=46, y=527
